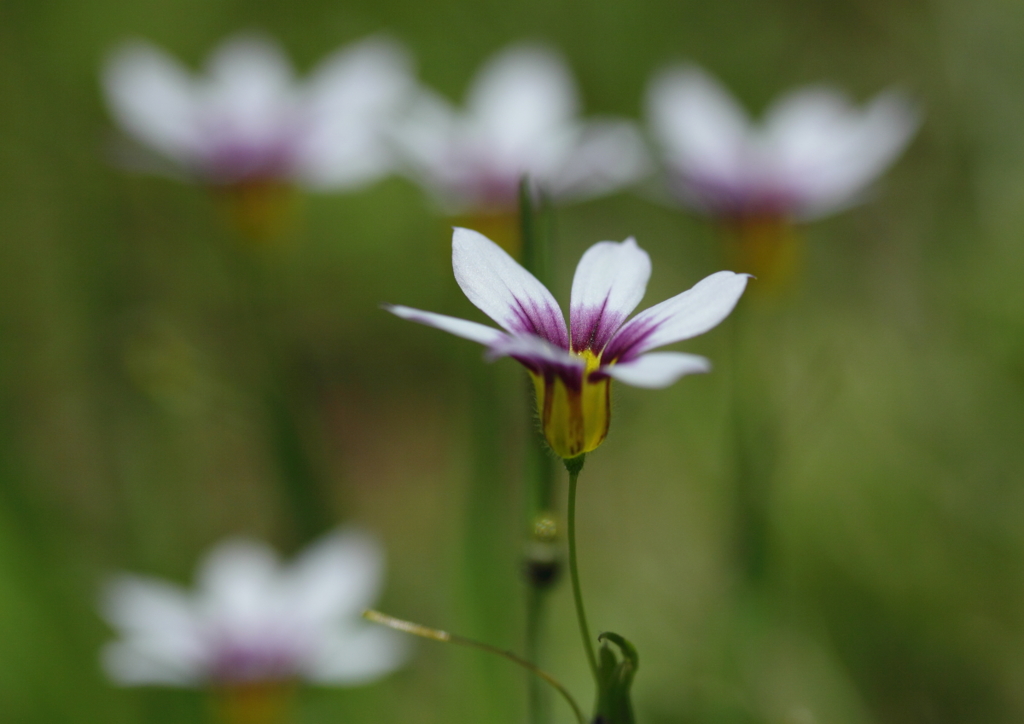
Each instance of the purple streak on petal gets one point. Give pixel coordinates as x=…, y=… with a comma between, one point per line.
x=541, y=357
x=503, y=290
x=592, y=327
x=628, y=343
x=686, y=315
x=540, y=320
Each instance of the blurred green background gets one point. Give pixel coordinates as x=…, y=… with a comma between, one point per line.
x=889, y=383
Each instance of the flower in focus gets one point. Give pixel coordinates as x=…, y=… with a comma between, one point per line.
x=247, y=128
x=253, y=621
x=572, y=366
x=520, y=119
x=813, y=154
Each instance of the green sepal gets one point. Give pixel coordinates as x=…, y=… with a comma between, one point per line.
x=615, y=672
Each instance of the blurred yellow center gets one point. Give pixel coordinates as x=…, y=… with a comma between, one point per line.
x=575, y=421
x=259, y=210
x=767, y=247
x=253, y=703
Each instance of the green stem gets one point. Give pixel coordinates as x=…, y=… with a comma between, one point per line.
x=573, y=466
x=450, y=638
x=537, y=701
x=541, y=575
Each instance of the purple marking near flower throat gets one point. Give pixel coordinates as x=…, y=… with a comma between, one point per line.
x=627, y=343
x=591, y=328
x=229, y=157
x=541, y=320
x=736, y=200
x=273, y=659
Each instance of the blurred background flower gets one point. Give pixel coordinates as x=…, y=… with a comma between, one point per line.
x=814, y=153
x=248, y=128
x=247, y=119
x=520, y=119
x=252, y=621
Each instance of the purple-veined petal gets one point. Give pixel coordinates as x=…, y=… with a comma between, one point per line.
x=152, y=96
x=453, y=325
x=685, y=315
x=703, y=129
x=610, y=281
x=657, y=369
x=541, y=358
x=350, y=102
x=505, y=291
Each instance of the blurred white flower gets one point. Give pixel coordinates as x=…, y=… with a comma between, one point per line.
x=520, y=118
x=248, y=119
x=813, y=154
x=252, y=620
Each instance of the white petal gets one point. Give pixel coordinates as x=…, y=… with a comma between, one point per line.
x=520, y=98
x=606, y=156
x=537, y=352
x=152, y=97
x=338, y=576
x=135, y=663
x=505, y=291
x=831, y=151
x=239, y=584
x=657, y=369
x=249, y=96
x=350, y=103
x=162, y=635
x=683, y=316
x=610, y=281
x=704, y=130
x=358, y=655
x=459, y=327
x=134, y=604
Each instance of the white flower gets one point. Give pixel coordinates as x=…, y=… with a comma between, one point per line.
x=813, y=154
x=520, y=118
x=573, y=365
x=246, y=118
x=253, y=620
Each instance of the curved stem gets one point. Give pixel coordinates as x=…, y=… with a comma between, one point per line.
x=573, y=466
x=446, y=637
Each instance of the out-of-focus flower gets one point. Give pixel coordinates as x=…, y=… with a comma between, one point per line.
x=813, y=154
x=247, y=121
x=572, y=366
x=520, y=119
x=253, y=621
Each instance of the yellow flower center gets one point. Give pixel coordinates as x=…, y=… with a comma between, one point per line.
x=574, y=417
